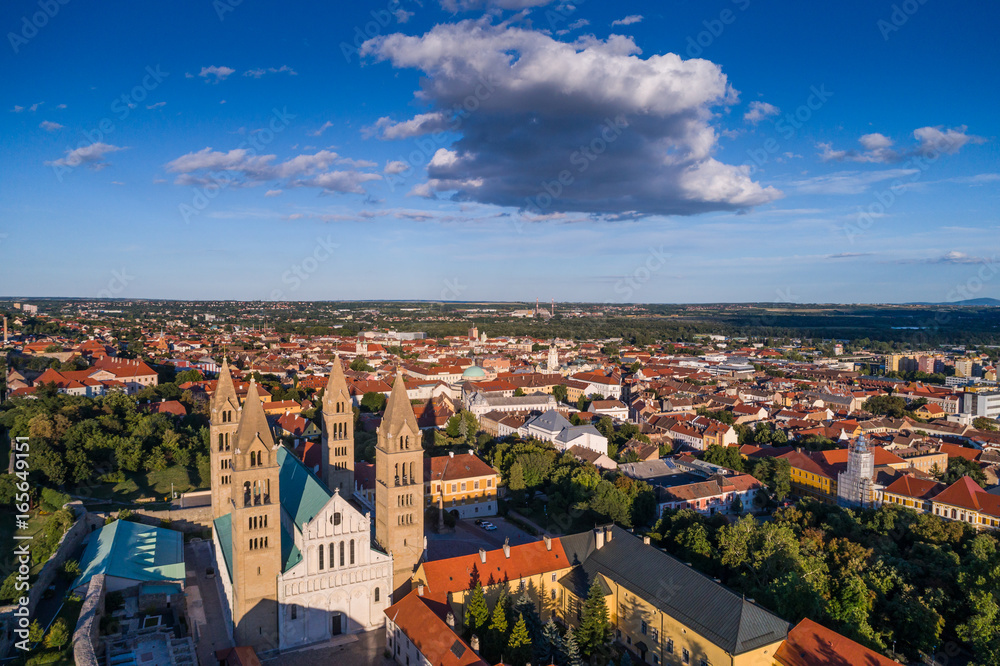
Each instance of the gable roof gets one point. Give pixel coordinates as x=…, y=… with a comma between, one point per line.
x=301, y=493
x=967, y=494
x=712, y=610
x=429, y=633
x=812, y=644
x=133, y=551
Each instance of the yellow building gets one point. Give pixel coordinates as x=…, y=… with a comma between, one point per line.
x=660, y=609
x=462, y=483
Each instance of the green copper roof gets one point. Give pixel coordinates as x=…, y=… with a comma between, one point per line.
x=134, y=551
x=224, y=533
x=302, y=494
x=290, y=555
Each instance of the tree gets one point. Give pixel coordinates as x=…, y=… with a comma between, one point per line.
x=886, y=405
x=360, y=365
x=551, y=648
x=519, y=644
x=478, y=613
x=559, y=392
x=984, y=423
x=373, y=402
x=581, y=402
x=58, y=635
x=519, y=392
x=571, y=649
x=499, y=627
x=959, y=467
x=595, y=627
x=35, y=632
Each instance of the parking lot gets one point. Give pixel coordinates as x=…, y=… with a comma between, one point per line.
x=468, y=538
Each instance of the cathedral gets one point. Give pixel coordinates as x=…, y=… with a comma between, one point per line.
x=299, y=559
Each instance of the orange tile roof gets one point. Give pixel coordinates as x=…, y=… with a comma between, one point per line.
x=967, y=494
x=462, y=466
x=429, y=633
x=956, y=451
x=530, y=559
x=911, y=486
x=812, y=644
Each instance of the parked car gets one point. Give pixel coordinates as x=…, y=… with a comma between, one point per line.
x=488, y=526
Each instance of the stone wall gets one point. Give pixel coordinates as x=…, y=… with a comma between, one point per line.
x=194, y=519
x=85, y=638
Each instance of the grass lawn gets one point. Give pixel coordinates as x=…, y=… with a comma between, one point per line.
x=70, y=613
x=36, y=522
x=148, y=484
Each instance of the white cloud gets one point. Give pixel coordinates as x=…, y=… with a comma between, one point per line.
x=324, y=127
x=628, y=20
x=760, y=110
x=471, y=5
x=156, y=106
x=61, y=106
x=402, y=16
x=272, y=193
x=395, y=167
x=423, y=123
x=34, y=107
x=242, y=168
x=579, y=23
x=530, y=121
x=17, y=109
x=849, y=182
x=91, y=155
x=878, y=148
x=49, y=126
x=215, y=73
x=258, y=73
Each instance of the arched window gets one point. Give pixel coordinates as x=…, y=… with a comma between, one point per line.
x=331, y=555
x=341, y=553
x=376, y=595
x=220, y=441
x=321, y=558
x=295, y=611
x=352, y=551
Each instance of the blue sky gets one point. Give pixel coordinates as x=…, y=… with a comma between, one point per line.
x=693, y=151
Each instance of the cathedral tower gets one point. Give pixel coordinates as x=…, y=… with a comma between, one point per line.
x=399, y=488
x=223, y=421
x=256, y=525
x=338, y=434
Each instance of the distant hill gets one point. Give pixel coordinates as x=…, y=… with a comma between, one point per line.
x=988, y=302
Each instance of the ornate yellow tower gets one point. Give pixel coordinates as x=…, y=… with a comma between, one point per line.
x=256, y=524
x=338, y=433
x=399, y=488
x=223, y=421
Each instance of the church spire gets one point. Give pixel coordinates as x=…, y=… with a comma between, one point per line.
x=398, y=410
x=253, y=422
x=337, y=451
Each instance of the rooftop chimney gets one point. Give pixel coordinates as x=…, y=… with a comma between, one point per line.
x=548, y=542
x=607, y=533
x=420, y=590
x=599, y=536
x=474, y=643
x=450, y=619
x=645, y=540
x=482, y=555
x=506, y=548
x=451, y=454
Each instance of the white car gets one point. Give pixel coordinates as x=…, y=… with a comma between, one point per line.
x=488, y=526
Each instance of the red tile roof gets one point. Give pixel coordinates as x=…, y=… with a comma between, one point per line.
x=967, y=494
x=911, y=486
x=462, y=466
x=812, y=644
x=429, y=633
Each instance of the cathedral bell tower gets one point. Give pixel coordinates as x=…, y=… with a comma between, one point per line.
x=399, y=488
x=338, y=433
x=256, y=525
x=223, y=420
